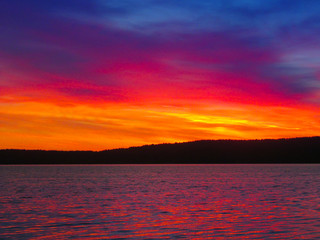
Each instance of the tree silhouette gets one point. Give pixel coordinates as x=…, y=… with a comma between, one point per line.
x=292, y=150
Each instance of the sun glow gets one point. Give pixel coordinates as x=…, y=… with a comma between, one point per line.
x=48, y=126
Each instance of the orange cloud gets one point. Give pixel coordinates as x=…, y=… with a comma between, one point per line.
x=83, y=127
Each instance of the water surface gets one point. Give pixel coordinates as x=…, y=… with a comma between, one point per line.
x=160, y=202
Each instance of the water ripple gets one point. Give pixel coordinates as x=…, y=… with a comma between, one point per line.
x=160, y=202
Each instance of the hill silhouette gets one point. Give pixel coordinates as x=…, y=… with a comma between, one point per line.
x=292, y=150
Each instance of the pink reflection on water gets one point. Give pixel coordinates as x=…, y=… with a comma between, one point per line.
x=154, y=202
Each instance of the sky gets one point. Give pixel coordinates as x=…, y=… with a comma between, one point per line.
x=104, y=74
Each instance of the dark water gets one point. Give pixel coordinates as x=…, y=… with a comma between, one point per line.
x=160, y=202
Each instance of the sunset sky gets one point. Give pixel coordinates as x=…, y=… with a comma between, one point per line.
x=103, y=74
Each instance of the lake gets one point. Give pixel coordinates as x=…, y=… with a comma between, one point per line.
x=160, y=202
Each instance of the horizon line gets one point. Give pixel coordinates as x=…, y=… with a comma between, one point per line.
x=155, y=144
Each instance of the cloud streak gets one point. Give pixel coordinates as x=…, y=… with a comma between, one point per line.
x=162, y=53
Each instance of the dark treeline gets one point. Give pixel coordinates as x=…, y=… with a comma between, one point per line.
x=294, y=150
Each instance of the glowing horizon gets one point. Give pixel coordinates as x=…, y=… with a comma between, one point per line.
x=97, y=75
